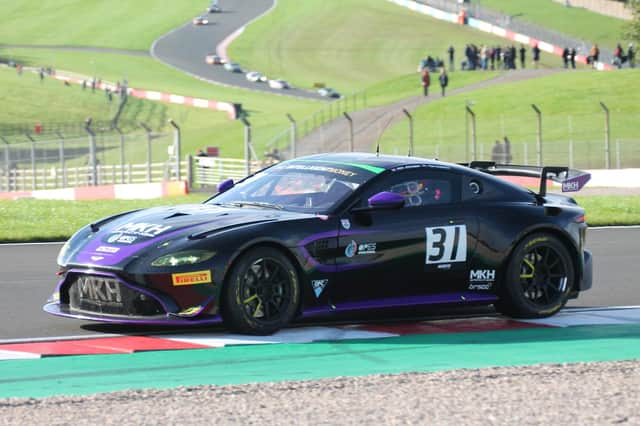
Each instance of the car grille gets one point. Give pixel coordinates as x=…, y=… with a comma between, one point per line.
x=107, y=295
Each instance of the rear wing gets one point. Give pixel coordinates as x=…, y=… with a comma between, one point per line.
x=572, y=180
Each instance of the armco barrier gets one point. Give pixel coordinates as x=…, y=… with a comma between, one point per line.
x=105, y=192
x=492, y=29
x=227, y=107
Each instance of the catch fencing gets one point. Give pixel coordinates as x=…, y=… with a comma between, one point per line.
x=284, y=141
x=66, y=162
x=590, y=140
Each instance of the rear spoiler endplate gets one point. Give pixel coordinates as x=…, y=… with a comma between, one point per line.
x=572, y=180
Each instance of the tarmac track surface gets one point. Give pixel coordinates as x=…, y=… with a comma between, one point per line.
x=27, y=278
x=185, y=47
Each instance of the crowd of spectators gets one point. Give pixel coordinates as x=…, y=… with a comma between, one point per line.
x=511, y=57
x=498, y=57
x=620, y=57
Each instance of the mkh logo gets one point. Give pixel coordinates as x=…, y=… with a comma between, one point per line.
x=482, y=275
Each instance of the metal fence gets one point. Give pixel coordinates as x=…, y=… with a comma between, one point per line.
x=583, y=154
x=210, y=171
x=284, y=142
x=66, y=162
x=97, y=158
x=591, y=140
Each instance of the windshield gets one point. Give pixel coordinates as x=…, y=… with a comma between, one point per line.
x=303, y=186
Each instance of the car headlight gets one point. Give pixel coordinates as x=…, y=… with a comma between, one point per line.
x=187, y=257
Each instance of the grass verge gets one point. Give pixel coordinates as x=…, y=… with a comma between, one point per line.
x=574, y=21
x=109, y=23
x=57, y=220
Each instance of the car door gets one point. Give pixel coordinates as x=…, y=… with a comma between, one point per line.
x=406, y=254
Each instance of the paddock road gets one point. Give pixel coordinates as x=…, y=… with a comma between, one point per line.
x=186, y=47
x=27, y=278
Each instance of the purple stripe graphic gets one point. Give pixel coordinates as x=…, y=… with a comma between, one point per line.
x=85, y=256
x=396, y=302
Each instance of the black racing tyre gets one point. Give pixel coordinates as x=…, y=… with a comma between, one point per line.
x=539, y=278
x=262, y=293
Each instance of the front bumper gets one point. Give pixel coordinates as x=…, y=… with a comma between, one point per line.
x=62, y=310
x=106, y=297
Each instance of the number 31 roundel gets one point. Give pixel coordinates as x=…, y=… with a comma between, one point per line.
x=446, y=244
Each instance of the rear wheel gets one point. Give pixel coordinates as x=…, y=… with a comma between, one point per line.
x=262, y=293
x=539, y=278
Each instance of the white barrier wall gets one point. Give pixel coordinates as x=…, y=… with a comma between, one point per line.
x=615, y=178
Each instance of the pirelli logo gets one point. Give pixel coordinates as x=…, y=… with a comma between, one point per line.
x=191, y=278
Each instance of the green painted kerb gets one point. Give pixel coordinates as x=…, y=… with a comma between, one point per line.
x=266, y=363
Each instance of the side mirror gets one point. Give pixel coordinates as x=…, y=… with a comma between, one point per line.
x=386, y=200
x=225, y=185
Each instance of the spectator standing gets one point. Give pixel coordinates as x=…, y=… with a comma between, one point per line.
x=498, y=53
x=471, y=58
x=572, y=57
x=631, y=56
x=513, y=55
x=497, y=153
x=41, y=74
x=506, y=60
x=594, y=55
x=507, y=151
x=492, y=58
x=426, y=80
x=565, y=57
x=444, y=80
x=484, y=56
x=523, y=53
x=618, y=56
x=535, y=51
x=451, y=51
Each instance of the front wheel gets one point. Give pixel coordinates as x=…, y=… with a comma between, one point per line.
x=262, y=293
x=539, y=278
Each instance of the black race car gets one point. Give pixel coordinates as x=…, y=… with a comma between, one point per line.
x=330, y=233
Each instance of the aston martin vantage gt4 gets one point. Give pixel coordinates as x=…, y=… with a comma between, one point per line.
x=335, y=232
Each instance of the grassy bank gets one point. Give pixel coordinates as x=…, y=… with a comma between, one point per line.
x=115, y=24
x=572, y=114
x=584, y=24
x=374, y=46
